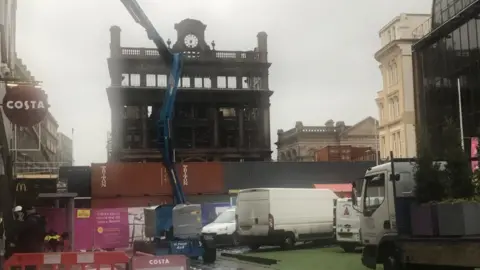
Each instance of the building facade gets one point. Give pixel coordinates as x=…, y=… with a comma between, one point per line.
x=64, y=150
x=302, y=142
x=449, y=54
x=395, y=100
x=7, y=55
x=222, y=110
x=345, y=153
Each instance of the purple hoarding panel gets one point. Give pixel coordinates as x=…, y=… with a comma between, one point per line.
x=242, y=175
x=83, y=230
x=111, y=228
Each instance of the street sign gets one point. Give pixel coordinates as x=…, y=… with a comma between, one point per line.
x=168, y=262
x=25, y=105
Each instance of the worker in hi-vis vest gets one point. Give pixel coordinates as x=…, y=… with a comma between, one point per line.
x=52, y=241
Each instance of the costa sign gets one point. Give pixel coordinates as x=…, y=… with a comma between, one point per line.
x=25, y=105
x=170, y=262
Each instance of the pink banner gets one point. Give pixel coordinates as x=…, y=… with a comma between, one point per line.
x=473, y=151
x=111, y=228
x=99, y=228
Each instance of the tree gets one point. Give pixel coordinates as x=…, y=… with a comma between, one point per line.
x=428, y=186
x=457, y=169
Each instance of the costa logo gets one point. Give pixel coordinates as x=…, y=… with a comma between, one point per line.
x=25, y=105
x=156, y=263
x=161, y=261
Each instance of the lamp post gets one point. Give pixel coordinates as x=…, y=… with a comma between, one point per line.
x=460, y=114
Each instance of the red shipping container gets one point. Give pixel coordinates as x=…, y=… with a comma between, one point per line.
x=128, y=179
x=122, y=202
x=201, y=178
x=151, y=179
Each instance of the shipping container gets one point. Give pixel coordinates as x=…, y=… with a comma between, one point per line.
x=77, y=179
x=242, y=175
x=151, y=179
x=122, y=202
x=201, y=177
x=128, y=179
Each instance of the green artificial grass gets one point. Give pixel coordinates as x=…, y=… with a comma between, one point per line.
x=313, y=259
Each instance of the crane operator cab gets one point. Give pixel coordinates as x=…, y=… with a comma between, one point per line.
x=178, y=230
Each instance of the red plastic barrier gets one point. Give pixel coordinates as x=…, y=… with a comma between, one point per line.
x=84, y=260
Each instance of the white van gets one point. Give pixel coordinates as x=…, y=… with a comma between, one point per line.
x=347, y=225
x=284, y=216
x=224, y=227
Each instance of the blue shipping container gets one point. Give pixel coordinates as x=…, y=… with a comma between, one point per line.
x=210, y=211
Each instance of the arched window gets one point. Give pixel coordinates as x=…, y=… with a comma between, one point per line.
x=395, y=72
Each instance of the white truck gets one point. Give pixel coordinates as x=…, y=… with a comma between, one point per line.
x=384, y=186
x=347, y=225
x=284, y=216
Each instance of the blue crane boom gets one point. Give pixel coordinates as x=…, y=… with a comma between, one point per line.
x=164, y=124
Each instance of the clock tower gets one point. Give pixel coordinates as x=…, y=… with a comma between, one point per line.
x=190, y=36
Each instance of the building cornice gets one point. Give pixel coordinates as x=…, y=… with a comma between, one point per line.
x=385, y=50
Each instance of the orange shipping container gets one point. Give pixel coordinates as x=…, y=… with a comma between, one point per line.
x=122, y=202
x=151, y=179
x=201, y=178
x=128, y=179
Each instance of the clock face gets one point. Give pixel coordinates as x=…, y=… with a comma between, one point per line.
x=191, y=41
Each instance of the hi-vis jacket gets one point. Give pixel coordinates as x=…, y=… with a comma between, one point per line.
x=52, y=237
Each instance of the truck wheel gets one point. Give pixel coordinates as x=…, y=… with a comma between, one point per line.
x=209, y=255
x=288, y=242
x=390, y=262
x=348, y=247
x=235, y=240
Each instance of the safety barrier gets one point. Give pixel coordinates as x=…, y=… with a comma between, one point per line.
x=69, y=260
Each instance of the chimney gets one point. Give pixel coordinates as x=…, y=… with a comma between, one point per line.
x=262, y=46
x=115, y=47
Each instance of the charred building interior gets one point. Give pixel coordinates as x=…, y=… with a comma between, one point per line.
x=222, y=110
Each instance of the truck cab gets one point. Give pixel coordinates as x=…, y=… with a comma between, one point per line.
x=377, y=207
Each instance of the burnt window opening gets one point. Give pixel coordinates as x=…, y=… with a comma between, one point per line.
x=228, y=138
x=133, y=140
x=183, y=138
x=231, y=82
x=207, y=83
x=227, y=113
x=222, y=82
x=198, y=82
x=201, y=112
x=184, y=111
x=185, y=82
x=151, y=80
x=251, y=114
x=162, y=80
x=203, y=137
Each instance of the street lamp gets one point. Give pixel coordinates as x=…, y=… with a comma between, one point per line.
x=460, y=114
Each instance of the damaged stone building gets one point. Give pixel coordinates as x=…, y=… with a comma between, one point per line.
x=222, y=108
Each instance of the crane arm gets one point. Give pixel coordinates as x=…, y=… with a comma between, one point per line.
x=174, y=61
x=141, y=18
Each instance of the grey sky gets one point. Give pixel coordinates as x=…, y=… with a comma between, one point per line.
x=322, y=54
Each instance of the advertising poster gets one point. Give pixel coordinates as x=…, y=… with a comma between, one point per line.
x=111, y=228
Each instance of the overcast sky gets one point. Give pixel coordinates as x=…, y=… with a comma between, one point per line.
x=321, y=53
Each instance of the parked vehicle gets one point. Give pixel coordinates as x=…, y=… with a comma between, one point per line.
x=283, y=217
x=224, y=226
x=347, y=225
x=386, y=225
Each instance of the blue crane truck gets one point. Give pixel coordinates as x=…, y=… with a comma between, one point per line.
x=176, y=228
